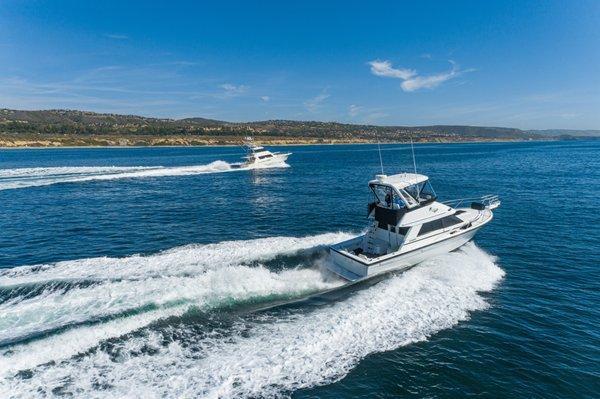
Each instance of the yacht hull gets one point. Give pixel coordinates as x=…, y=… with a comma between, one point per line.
x=353, y=270
x=276, y=161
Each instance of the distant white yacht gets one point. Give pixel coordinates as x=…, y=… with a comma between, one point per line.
x=259, y=157
x=406, y=226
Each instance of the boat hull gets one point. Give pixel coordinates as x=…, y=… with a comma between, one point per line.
x=277, y=160
x=354, y=270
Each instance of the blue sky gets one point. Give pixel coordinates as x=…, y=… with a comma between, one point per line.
x=530, y=65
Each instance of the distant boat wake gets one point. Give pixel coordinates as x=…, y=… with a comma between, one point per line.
x=36, y=177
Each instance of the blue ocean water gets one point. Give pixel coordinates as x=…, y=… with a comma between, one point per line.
x=151, y=272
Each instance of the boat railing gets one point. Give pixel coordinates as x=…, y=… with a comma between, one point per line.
x=489, y=201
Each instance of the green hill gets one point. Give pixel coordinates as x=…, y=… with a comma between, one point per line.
x=71, y=127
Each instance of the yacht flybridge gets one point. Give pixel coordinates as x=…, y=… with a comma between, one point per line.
x=408, y=225
x=259, y=157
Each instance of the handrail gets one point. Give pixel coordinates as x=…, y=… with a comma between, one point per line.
x=488, y=200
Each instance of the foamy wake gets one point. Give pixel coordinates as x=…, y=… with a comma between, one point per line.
x=35, y=177
x=92, y=298
x=266, y=356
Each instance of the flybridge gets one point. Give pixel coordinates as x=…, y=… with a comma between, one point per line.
x=401, y=180
x=404, y=190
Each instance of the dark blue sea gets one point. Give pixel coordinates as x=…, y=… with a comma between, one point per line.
x=160, y=272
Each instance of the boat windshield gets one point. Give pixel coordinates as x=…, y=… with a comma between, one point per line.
x=421, y=191
x=387, y=197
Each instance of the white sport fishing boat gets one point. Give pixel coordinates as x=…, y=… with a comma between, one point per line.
x=259, y=157
x=407, y=225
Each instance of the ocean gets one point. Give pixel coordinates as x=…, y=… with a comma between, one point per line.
x=161, y=272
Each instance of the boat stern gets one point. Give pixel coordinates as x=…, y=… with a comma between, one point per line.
x=345, y=264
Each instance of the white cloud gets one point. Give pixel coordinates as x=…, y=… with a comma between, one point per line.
x=313, y=104
x=233, y=90
x=354, y=110
x=428, y=82
x=385, y=69
x=265, y=98
x=412, y=81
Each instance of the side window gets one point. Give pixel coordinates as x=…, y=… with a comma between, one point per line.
x=449, y=221
x=431, y=226
x=427, y=191
x=439, y=224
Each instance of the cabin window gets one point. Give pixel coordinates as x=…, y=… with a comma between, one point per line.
x=449, y=221
x=439, y=224
x=265, y=156
x=431, y=226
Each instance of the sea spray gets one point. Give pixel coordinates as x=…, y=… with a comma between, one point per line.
x=277, y=353
x=145, y=289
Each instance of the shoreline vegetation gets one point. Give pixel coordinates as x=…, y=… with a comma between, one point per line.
x=58, y=141
x=68, y=128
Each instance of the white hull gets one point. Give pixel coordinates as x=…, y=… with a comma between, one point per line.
x=407, y=226
x=354, y=270
x=276, y=160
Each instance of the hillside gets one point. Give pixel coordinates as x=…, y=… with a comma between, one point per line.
x=566, y=132
x=70, y=127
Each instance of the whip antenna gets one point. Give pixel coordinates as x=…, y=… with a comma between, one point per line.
x=380, y=159
x=412, y=147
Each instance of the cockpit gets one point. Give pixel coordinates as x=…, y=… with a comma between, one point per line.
x=393, y=196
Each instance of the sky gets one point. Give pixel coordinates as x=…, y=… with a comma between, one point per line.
x=524, y=64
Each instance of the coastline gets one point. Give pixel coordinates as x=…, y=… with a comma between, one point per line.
x=164, y=143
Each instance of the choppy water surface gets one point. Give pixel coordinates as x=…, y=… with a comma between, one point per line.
x=151, y=273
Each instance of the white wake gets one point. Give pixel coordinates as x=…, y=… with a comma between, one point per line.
x=36, y=177
x=275, y=354
x=162, y=285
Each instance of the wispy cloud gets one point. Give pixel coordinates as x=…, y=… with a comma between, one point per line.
x=354, y=110
x=116, y=36
x=412, y=81
x=230, y=90
x=265, y=98
x=385, y=69
x=183, y=63
x=358, y=113
x=430, y=81
x=374, y=117
x=313, y=104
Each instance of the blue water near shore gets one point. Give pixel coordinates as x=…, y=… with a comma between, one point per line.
x=152, y=272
